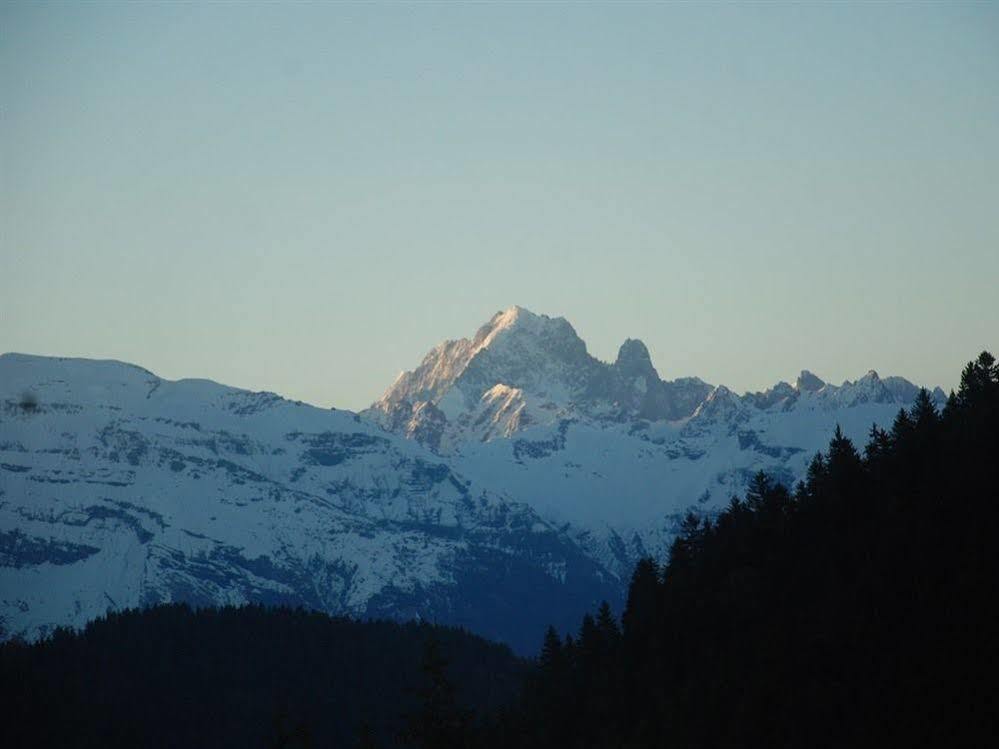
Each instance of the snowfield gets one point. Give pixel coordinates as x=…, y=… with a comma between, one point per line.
x=121, y=489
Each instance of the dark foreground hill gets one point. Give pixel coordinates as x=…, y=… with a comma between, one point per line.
x=237, y=677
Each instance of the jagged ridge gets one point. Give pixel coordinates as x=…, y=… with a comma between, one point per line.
x=540, y=368
x=613, y=449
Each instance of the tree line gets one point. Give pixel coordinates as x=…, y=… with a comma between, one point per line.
x=172, y=676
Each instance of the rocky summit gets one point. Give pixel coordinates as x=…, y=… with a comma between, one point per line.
x=613, y=451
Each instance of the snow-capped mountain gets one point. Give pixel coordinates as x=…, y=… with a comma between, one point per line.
x=522, y=370
x=510, y=481
x=612, y=450
x=118, y=488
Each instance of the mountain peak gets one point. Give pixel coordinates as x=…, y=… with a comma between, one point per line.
x=545, y=361
x=512, y=316
x=808, y=382
x=515, y=348
x=520, y=321
x=633, y=359
x=525, y=370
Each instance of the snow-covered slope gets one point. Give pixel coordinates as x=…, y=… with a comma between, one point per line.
x=612, y=449
x=118, y=488
x=508, y=482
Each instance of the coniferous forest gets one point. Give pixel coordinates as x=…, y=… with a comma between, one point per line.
x=856, y=607
x=853, y=608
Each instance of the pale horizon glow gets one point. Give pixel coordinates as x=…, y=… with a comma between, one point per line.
x=307, y=198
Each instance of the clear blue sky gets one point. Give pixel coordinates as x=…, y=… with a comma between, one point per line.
x=305, y=198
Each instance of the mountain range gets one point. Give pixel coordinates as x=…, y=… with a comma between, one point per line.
x=509, y=481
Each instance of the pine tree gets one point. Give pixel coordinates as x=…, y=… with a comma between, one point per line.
x=902, y=427
x=816, y=477
x=878, y=444
x=843, y=456
x=552, y=658
x=641, y=609
x=759, y=489
x=685, y=546
x=607, y=626
x=590, y=642
x=978, y=380
x=924, y=414
x=439, y=722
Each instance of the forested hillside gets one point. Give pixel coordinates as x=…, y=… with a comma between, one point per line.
x=857, y=606
x=240, y=677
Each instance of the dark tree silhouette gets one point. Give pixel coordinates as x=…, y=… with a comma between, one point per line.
x=438, y=722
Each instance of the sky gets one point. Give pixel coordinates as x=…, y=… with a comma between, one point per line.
x=306, y=198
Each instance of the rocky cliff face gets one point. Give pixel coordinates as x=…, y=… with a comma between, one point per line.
x=538, y=368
